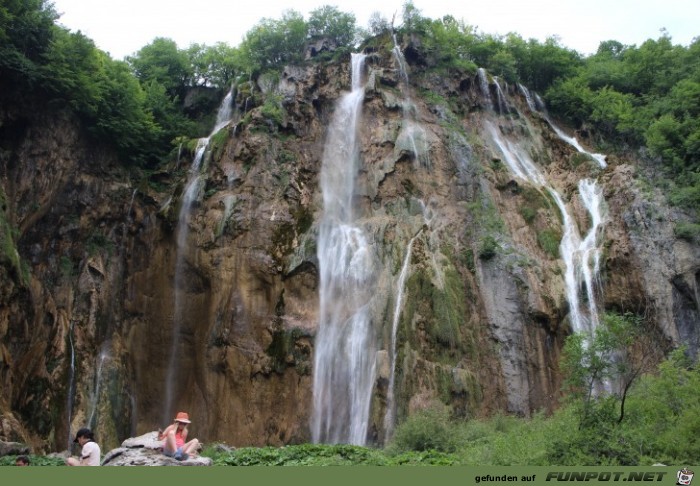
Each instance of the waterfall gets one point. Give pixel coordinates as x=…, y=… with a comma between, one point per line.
x=590, y=249
x=71, y=384
x=528, y=97
x=95, y=396
x=484, y=85
x=600, y=158
x=500, y=97
x=344, y=362
x=412, y=133
x=190, y=194
x=390, y=400
x=537, y=104
x=581, y=255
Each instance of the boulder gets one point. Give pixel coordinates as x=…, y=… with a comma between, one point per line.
x=147, y=450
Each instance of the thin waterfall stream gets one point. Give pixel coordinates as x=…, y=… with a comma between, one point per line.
x=191, y=194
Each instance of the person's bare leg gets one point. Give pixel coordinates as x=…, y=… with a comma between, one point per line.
x=191, y=447
x=72, y=461
x=170, y=442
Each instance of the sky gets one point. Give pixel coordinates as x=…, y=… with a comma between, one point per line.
x=122, y=27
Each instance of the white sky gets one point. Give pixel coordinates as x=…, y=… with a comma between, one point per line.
x=122, y=27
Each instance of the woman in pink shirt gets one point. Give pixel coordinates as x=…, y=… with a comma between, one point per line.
x=175, y=439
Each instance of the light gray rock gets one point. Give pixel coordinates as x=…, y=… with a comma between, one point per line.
x=146, y=450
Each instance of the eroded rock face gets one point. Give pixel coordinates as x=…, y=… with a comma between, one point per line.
x=86, y=336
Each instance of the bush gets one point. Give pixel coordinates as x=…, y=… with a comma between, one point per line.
x=687, y=231
x=429, y=429
x=489, y=247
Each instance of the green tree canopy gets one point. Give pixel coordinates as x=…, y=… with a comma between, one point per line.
x=328, y=21
x=161, y=61
x=272, y=42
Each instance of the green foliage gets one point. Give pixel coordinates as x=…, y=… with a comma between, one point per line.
x=587, y=359
x=162, y=62
x=33, y=461
x=272, y=43
x=301, y=455
x=660, y=426
x=329, y=22
x=325, y=455
x=213, y=66
x=272, y=110
x=26, y=31
x=641, y=95
x=217, y=143
x=687, y=231
x=549, y=240
x=488, y=248
x=429, y=429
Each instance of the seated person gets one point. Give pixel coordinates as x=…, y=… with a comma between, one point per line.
x=175, y=439
x=90, y=453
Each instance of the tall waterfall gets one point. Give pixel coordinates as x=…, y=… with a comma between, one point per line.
x=345, y=350
x=190, y=194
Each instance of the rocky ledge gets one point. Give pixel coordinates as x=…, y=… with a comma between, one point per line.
x=147, y=450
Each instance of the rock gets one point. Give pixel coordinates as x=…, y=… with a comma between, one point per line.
x=13, y=448
x=146, y=450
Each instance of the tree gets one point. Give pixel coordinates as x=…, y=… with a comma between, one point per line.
x=213, y=66
x=330, y=22
x=271, y=43
x=377, y=24
x=26, y=31
x=605, y=363
x=163, y=62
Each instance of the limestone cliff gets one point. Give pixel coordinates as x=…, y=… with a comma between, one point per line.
x=90, y=254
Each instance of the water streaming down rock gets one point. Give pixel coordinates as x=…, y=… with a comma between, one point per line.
x=97, y=383
x=71, y=384
x=581, y=255
x=528, y=97
x=190, y=194
x=537, y=105
x=412, y=135
x=600, y=158
x=345, y=361
x=398, y=306
x=484, y=86
x=501, y=104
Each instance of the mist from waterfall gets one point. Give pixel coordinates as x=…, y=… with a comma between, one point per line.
x=191, y=193
x=345, y=351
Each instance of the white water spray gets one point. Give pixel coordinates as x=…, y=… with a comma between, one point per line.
x=581, y=256
x=345, y=351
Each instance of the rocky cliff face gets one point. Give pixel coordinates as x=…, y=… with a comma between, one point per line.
x=87, y=306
